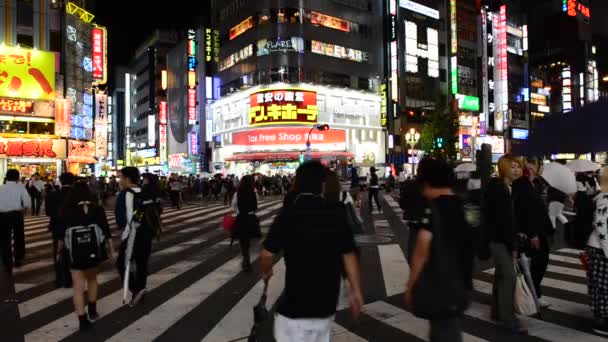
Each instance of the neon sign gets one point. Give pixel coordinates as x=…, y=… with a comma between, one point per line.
x=49, y=148
x=283, y=106
x=574, y=7
x=241, y=28
x=16, y=106
x=191, y=77
x=99, y=55
x=329, y=21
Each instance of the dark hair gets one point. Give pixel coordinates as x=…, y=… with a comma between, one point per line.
x=12, y=175
x=437, y=173
x=153, y=186
x=80, y=192
x=67, y=179
x=131, y=173
x=312, y=175
x=246, y=185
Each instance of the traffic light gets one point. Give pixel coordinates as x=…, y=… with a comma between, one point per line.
x=301, y=158
x=439, y=142
x=324, y=127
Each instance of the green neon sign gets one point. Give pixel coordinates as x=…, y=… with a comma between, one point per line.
x=468, y=102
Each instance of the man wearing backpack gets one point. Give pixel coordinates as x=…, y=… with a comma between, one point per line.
x=54, y=201
x=137, y=235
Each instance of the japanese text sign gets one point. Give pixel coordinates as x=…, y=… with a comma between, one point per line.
x=81, y=151
x=289, y=138
x=34, y=148
x=62, y=117
x=16, y=106
x=99, y=54
x=287, y=106
x=28, y=74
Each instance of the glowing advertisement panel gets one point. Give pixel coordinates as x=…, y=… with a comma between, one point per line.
x=288, y=106
x=27, y=74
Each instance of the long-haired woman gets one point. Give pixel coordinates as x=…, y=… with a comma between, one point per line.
x=247, y=225
x=501, y=228
x=81, y=210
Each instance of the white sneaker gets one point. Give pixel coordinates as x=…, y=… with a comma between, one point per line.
x=543, y=303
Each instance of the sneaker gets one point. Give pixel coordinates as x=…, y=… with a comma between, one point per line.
x=137, y=297
x=85, y=324
x=93, y=315
x=601, y=329
x=519, y=330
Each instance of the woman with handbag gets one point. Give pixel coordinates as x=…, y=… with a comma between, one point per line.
x=501, y=228
x=597, y=250
x=246, y=225
x=80, y=214
x=442, y=262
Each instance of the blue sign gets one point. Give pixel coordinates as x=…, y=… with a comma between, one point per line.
x=520, y=133
x=191, y=62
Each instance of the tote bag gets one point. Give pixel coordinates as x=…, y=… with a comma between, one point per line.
x=523, y=301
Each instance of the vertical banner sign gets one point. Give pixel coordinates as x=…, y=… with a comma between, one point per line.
x=393, y=53
x=504, y=72
x=99, y=55
x=62, y=117
x=101, y=125
x=383, y=104
x=193, y=144
x=191, y=74
x=495, y=85
x=483, y=116
x=162, y=113
x=162, y=140
x=454, y=47
x=151, y=130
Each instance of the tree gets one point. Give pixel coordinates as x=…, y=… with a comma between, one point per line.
x=439, y=134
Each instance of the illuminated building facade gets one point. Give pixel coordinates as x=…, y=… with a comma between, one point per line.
x=286, y=65
x=48, y=105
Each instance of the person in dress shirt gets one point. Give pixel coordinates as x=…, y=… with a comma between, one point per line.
x=14, y=199
x=35, y=187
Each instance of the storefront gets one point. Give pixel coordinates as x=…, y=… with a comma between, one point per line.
x=42, y=155
x=266, y=129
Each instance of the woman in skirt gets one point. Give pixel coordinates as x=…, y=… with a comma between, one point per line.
x=247, y=225
x=81, y=210
x=597, y=249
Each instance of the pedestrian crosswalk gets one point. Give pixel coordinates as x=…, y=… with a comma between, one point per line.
x=197, y=291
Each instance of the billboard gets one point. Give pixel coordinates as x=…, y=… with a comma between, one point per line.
x=101, y=125
x=26, y=73
x=16, y=106
x=34, y=148
x=289, y=139
x=81, y=152
x=62, y=117
x=100, y=55
x=285, y=106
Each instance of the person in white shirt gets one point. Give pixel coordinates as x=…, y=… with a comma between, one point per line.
x=13, y=200
x=35, y=188
x=597, y=250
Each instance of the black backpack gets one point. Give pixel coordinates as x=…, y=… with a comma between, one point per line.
x=84, y=245
x=146, y=212
x=577, y=231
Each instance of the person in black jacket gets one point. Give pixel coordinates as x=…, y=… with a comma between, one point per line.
x=81, y=210
x=533, y=221
x=246, y=225
x=501, y=228
x=54, y=201
x=374, y=188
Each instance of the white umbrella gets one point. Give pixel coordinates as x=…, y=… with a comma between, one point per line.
x=466, y=167
x=583, y=165
x=560, y=177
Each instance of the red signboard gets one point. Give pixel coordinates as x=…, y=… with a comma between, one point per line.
x=62, y=117
x=43, y=148
x=162, y=113
x=503, y=42
x=191, y=106
x=98, y=53
x=288, y=136
x=16, y=106
x=285, y=106
x=241, y=28
x=81, y=151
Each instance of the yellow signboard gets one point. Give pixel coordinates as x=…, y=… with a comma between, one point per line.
x=27, y=74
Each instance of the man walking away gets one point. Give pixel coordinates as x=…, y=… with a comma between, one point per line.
x=126, y=206
x=374, y=188
x=35, y=187
x=317, y=243
x=14, y=199
x=355, y=186
x=442, y=262
x=54, y=202
x=175, y=189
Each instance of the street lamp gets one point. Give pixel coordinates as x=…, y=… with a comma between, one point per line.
x=320, y=127
x=412, y=137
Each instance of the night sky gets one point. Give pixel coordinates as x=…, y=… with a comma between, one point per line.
x=128, y=27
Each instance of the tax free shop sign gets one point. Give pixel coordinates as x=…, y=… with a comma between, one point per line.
x=288, y=139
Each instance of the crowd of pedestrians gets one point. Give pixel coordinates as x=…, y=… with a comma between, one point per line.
x=315, y=233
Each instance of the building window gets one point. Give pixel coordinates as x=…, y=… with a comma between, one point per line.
x=25, y=13
x=13, y=127
x=42, y=128
x=25, y=40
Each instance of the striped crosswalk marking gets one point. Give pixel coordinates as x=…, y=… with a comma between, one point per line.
x=194, y=267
